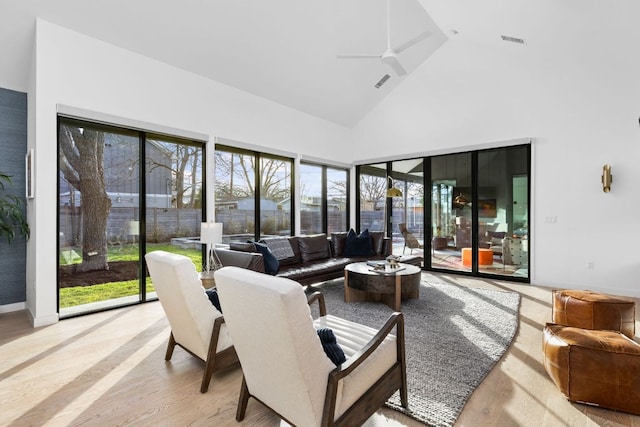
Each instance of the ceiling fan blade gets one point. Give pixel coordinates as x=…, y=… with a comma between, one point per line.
x=396, y=66
x=357, y=56
x=406, y=45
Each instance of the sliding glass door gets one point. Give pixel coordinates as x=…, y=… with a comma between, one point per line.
x=479, y=212
x=121, y=194
x=503, y=203
x=451, y=212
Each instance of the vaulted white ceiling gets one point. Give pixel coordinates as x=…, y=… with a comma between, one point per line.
x=285, y=50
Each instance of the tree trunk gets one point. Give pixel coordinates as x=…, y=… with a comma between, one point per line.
x=95, y=212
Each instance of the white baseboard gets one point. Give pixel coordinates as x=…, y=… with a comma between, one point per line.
x=9, y=308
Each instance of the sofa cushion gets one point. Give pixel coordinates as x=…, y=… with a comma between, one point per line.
x=358, y=245
x=280, y=247
x=313, y=247
x=242, y=246
x=377, y=242
x=313, y=269
x=271, y=264
x=338, y=239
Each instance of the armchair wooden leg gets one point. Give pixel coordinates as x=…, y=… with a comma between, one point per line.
x=170, y=347
x=208, y=371
x=242, y=401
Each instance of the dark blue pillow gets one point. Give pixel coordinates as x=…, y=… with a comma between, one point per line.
x=331, y=346
x=213, y=297
x=358, y=245
x=271, y=263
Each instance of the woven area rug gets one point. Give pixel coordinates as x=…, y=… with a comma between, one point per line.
x=454, y=335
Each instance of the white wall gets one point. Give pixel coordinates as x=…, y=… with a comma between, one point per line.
x=71, y=69
x=581, y=111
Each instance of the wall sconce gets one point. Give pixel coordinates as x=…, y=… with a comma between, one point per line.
x=607, y=178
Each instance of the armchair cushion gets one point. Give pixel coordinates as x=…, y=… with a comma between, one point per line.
x=352, y=337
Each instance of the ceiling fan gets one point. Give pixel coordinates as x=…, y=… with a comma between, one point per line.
x=390, y=56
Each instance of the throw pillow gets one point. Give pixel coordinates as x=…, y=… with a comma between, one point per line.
x=338, y=239
x=279, y=246
x=331, y=347
x=358, y=245
x=213, y=297
x=271, y=264
x=315, y=247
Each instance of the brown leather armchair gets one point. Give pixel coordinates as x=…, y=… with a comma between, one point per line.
x=594, y=366
x=589, y=351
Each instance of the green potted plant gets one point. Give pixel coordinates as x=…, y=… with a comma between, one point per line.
x=12, y=218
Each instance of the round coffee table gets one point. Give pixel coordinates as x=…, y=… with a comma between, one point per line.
x=361, y=283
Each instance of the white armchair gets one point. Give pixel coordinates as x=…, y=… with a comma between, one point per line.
x=283, y=361
x=196, y=325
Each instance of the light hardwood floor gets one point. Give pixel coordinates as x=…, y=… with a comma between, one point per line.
x=108, y=369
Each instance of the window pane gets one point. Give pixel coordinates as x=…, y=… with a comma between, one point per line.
x=311, y=199
x=98, y=218
x=235, y=195
x=373, y=185
x=275, y=197
x=174, y=199
x=503, y=209
x=451, y=191
x=336, y=200
x=407, y=229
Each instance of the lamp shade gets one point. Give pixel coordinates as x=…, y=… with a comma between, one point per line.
x=394, y=192
x=391, y=190
x=211, y=232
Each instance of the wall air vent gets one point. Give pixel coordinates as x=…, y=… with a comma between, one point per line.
x=382, y=81
x=513, y=39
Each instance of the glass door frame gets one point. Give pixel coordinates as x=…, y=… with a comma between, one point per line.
x=475, y=226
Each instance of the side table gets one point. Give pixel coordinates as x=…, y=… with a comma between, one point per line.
x=207, y=279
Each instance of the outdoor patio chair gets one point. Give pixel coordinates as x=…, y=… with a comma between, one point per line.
x=410, y=240
x=196, y=325
x=283, y=362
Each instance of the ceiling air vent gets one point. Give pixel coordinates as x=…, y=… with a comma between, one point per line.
x=513, y=39
x=382, y=81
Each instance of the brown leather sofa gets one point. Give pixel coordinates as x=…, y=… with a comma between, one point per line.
x=317, y=258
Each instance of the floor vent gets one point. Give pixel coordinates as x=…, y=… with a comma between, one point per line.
x=513, y=39
x=382, y=81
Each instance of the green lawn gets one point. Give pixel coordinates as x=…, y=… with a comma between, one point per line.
x=78, y=295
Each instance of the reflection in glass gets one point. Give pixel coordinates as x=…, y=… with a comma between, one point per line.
x=407, y=219
x=235, y=195
x=372, y=190
x=336, y=200
x=451, y=212
x=310, y=199
x=275, y=197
